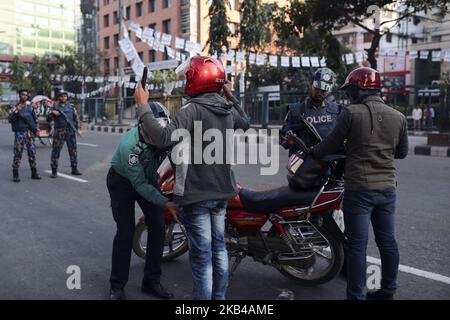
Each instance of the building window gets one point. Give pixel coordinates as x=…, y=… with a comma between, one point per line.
x=152, y=56
x=389, y=37
x=436, y=38
x=151, y=5
x=128, y=13
x=167, y=3
x=43, y=45
x=368, y=37
x=414, y=40
x=141, y=55
x=106, y=20
x=57, y=34
x=167, y=26
x=139, y=9
x=116, y=40
x=105, y=2
x=116, y=17
x=116, y=63
x=29, y=43
x=106, y=65
x=152, y=26
x=106, y=43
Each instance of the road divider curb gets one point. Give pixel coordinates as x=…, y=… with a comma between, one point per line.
x=433, y=151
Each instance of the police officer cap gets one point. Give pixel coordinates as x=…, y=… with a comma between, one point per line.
x=61, y=93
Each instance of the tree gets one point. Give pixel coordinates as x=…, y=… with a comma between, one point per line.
x=75, y=62
x=255, y=25
x=41, y=70
x=218, y=28
x=326, y=16
x=18, y=79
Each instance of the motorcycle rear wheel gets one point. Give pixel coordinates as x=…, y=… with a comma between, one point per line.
x=176, y=243
x=305, y=277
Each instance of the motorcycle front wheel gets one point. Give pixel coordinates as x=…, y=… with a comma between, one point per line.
x=323, y=266
x=175, y=242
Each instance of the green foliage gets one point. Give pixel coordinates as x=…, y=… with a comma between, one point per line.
x=18, y=79
x=160, y=78
x=325, y=16
x=218, y=28
x=41, y=70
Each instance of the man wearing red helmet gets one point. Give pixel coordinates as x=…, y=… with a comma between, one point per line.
x=201, y=189
x=375, y=134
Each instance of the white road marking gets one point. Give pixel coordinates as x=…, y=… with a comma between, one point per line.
x=414, y=271
x=87, y=144
x=68, y=177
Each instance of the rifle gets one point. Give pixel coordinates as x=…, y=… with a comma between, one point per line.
x=67, y=120
x=31, y=128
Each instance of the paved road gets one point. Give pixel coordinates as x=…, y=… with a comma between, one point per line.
x=49, y=225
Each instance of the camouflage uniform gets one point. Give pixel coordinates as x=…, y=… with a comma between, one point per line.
x=23, y=136
x=64, y=133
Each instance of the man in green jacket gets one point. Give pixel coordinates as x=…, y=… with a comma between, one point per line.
x=133, y=177
x=376, y=134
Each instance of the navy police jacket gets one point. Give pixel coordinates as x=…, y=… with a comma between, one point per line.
x=60, y=122
x=322, y=118
x=24, y=120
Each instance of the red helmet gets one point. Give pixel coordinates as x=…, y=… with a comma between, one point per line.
x=204, y=74
x=363, y=78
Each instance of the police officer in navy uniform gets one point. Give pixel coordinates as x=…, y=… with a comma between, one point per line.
x=23, y=121
x=316, y=109
x=65, y=130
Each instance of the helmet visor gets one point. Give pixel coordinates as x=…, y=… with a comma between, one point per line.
x=181, y=70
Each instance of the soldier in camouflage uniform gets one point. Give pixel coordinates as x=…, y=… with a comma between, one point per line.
x=24, y=124
x=65, y=130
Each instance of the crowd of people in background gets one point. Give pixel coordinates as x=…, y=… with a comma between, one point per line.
x=423, y=117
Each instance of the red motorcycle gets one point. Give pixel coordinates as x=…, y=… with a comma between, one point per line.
x=293, y=231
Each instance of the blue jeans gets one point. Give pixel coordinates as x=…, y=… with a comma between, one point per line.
x=361, y=207
x=205, y=227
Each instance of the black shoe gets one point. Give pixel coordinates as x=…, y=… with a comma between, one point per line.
x=379, y=295
x=16, y=175
x=157, y=290
x=75, y=171
x=35, y=175
x=117, y=294
x=54, y=173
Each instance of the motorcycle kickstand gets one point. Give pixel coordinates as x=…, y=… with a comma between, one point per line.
x=237, y=260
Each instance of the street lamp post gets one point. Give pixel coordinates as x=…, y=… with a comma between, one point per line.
x=119, y=64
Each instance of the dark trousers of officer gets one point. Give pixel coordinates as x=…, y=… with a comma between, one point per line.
x=59, y=137
x=123, y=198
x=21, y=140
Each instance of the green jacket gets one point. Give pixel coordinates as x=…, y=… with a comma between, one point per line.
x=138, y=163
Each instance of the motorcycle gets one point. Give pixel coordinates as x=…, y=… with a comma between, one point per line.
x=294, y=231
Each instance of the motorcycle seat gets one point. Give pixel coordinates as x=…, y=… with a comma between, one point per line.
x=271, y=200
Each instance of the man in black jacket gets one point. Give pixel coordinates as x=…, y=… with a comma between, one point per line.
x=375, y=134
